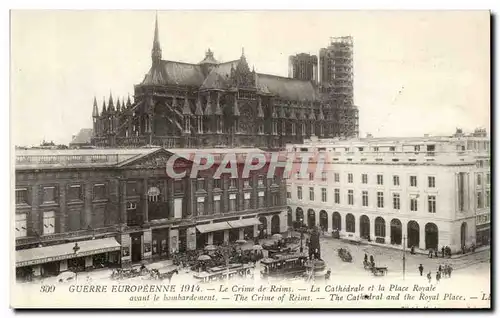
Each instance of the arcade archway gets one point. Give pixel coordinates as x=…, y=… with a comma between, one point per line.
x=431, y=236
x=336, y=221
x=275, y=224
x=311, y=218
x=379, y=227
x=463, y=234
x=350, y=223
x=396, y=232
x=364, y=227
x=323, y=220
x=413, y=234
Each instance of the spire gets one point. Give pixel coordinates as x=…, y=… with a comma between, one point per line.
x=321, y=116
x=103, y=106
x=118, y=105
x=218, y=110
x=260, y=113
x=156, y=51
x=208, y=109
x=312, y=116
x=186, y=110
x=128, y=101
x=95, y=111
x=111, y=107
x=198, y=111
x=236, y=110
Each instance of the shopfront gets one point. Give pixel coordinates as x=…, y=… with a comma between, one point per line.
x=483, y=234
x=78, y=256
x=160, y=243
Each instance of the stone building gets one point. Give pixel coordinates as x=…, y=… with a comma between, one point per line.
x=215, y=104
x=433, y=191
x=85, y=208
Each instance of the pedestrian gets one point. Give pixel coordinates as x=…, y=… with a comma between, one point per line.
x=430, y=253
x=436, y=252
x=449, y=271
x=372, y=260
x=421, y=269
x=442, y=251
x=429, y=277
x=327, y=275
x=438, y=277
x=412, y=251
x=366, y=258
x=439, y=269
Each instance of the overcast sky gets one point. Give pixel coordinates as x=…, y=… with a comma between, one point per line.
x=414, y=72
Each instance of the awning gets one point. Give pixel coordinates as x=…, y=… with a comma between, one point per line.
x=212, y=227
x=46, y=254
x=243, y=223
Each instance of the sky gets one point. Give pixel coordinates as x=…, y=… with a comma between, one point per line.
x=415, y=72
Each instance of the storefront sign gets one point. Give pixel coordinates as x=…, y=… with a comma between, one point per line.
x=67, y=256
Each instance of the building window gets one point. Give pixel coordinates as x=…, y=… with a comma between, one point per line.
x=217, y=209
x=232, y=203
x=131, y=188
x=396, y=202
x=246, y=202
x=275, y=199
x=349, y=178
x=461, y=191
x=311, y=176
x=311, y=194
x=336, y=177
x=432, y=203
x=74, y=192
x=153, y=194
x=22, y=196
x=299, y=192
x=350, y=197
x=413, y=204
x=276, y=180
x=432, y=182
x=417, y=148
x=364, y=178
x=288, y=195
x=392, y=148
x=200, y=184
x=487, y=201
x=380, y=179
x=375, y=148
x=260, y=181
x=395, y=180
x=99, y=191
x=233, y=183
x=479, y=200
x=413, y=181
x=246, y=183
x=479, y=179
x=365, y=198
x=178, y=186
x=49, y=222
x=337, y=196
x=21, y=225
x=323, y=194
x=488, y=178
x=380, y=199
x=200, y=208
x=217, y=184
x=49, y=194
x=323, y=176
x=261, y=200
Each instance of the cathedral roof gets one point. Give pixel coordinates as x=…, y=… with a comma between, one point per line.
x=175, y=73
x=286, y=88
x=179, y=73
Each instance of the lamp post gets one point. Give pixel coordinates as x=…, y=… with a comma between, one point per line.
x=301, y=234
x=404, y=256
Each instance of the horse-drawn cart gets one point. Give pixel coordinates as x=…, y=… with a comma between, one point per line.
x=379, y=271
x=345, y=255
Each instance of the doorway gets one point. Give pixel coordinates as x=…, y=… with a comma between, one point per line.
x=136, y=239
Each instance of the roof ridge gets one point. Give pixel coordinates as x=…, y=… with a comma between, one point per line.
x=179, y=62
x=284, y=77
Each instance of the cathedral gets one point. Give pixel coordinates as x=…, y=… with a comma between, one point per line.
x=217, y=104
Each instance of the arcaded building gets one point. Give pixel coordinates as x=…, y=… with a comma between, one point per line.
x=433, y=191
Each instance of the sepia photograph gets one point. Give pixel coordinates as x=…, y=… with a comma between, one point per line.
x=250, y=159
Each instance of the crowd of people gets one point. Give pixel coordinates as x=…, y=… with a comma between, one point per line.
x=443, y=271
